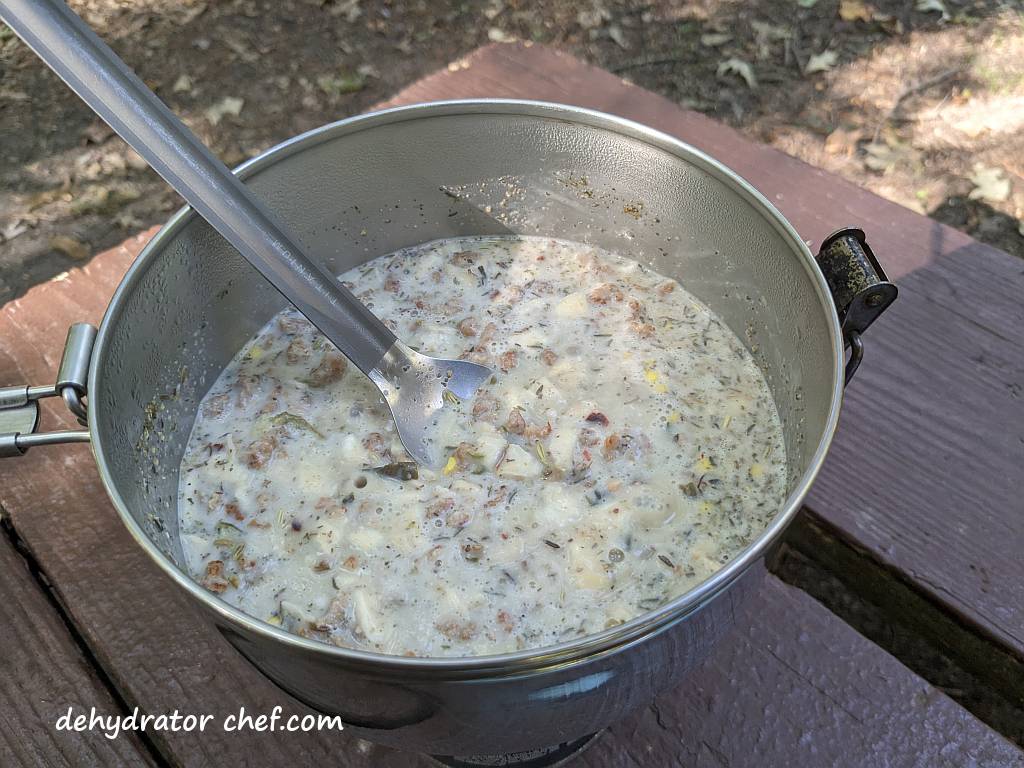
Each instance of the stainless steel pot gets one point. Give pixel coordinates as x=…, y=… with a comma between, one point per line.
x=366, y=186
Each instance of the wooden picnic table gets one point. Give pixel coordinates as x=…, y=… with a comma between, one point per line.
x=919, y=511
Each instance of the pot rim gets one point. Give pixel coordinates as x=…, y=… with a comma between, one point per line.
x=537, y=658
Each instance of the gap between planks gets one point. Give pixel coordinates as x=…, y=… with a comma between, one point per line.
x=882, y=604
x=77, y=662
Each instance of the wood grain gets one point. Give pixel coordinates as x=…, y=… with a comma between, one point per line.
x=42, y=673
x=792, y=681
x=795, y=686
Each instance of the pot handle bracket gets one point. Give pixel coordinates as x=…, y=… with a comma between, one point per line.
x=859, y=286
x=19, y=405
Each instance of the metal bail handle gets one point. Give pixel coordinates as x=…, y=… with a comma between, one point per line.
x=19, y=405
x=860, y=288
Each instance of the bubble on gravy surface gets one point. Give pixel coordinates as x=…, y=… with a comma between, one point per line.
x=626, y=449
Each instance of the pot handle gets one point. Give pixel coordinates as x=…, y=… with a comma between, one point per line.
x=19, y=405
x=859, y=286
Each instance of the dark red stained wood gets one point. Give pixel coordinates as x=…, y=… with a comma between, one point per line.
x=793, y=681
x=156, y=648
x=927, y=471
x=42, y=673
x=794, y=686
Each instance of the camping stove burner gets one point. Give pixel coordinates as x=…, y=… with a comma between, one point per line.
x=545, y=757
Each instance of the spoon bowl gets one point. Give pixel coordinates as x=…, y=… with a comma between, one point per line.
x=416, y=388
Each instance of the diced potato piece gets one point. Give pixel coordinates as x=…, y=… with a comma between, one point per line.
x=297, y=612
x=566, y=373
x=352, y=449
x=647, y=510
x=519, y=464
x=459, y=276
x=573, y=305
x=432, y=338
x=585, y=565
x=560, y=448
x=463, y=488
x=504, y=552
x=367, y=539
x=702, y=558
x=551, y=391
x=528, y=337
x=489, y=442
x=560, y=506
x=366, y=616
x=406, y=533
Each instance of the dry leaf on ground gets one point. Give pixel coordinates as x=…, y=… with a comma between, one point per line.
x=335, y=85
x=765, y=34
x=990, y=184
x=594, y=17
x=348, y=8
x=925, y=6
x=741, y=68
x=70, y=247
x=615, y=33
x=881, y=157
x=229, y=105
x=855, y=10
x=12, y=230
x=821, y=62
x=715, y=39
x=498, y=35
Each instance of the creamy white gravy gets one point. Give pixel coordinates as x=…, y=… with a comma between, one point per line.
x=626, y=449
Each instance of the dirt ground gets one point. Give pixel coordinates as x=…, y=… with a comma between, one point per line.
x=921, y=101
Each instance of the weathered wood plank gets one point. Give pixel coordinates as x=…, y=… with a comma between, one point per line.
x=42, y=673
x=926, y=474
x=802, y=684
x=795, y=686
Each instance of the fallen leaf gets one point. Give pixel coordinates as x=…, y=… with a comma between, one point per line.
x=97, y=132
x=593, y=18
x=182, y=85
x=616, y=34
x=494, y=9
x=855, y=10
x=990, y=185
x=715, y=39
x=926, y=6
x=103, y=200
x=241, y=48
x=890, y=24
x=368, y=70
x=498, y=35
x=70, y=247
x=880, y=156
x=191, y=14
x=229, y=105
x=765, y=34
x=821, y=62
x=843, y=141
x=12, y=230
x=348, y=8
x=336, y=85
x=738, y=67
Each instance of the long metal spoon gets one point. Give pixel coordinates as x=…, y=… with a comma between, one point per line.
x=412, y=384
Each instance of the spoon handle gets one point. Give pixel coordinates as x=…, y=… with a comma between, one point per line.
x=69, y=47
